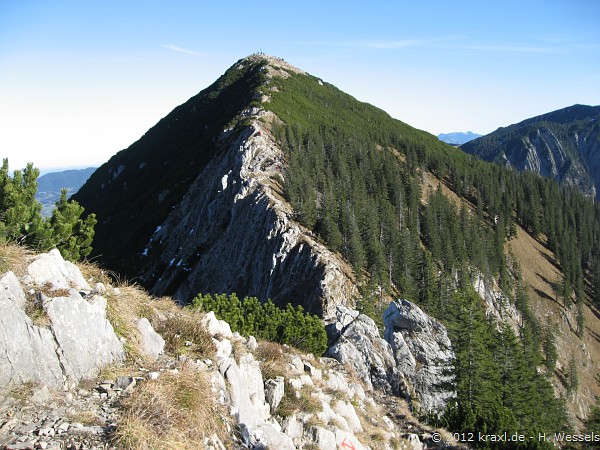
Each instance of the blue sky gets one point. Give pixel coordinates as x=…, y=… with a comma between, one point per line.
x=80, y=81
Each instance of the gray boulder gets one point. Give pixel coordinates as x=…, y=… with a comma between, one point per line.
x=152, y=343
x=28, y=353
x=343, y=317
x=85, y=337
x=51, y=269
x=10, y=289
x=245, y=390
x=361, y=348
x=274, y=392
x=414, y=360
x=423, y=354
x=322, y=438
x=272, y=437
x=77, y=339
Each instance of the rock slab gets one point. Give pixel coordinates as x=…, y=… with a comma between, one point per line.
x=74, y=341
x=423, y=353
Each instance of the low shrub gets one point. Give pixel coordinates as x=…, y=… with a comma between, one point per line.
x=250, y=317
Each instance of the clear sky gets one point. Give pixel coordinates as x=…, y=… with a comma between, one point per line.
x=81, y=80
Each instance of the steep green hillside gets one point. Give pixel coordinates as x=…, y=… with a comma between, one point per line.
x=563, y=144
x=346, y=181
x=359, y=187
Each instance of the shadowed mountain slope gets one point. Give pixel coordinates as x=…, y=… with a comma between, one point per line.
x=563, y=144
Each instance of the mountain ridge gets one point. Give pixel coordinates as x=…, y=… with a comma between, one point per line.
x=50, y=185
x=562, y=144
x=458, y=138
x=305, y=195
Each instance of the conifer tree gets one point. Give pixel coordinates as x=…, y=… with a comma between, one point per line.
x=549, y=347
x=21, y=220
x=70, y=234
x=572, y=377
x=20, y=213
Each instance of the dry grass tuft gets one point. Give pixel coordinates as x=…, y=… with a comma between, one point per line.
x=85, y=418
x=23, y=392
x=238, y=350
x=272, y=358
x=175, y=411
x=291, y=404
x=114, y=371
x=34, y=307
x=35, y=311
x=122, y=310
x=93, y=273
x=14, y=258
x=184, y=335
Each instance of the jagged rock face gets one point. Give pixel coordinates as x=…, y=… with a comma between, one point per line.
x=564, y=145
x=233, y=232
x=78, y=339
x=423, y=353
x=361, y=347
x=589, y=147
x=414, y=360
x=547, y=156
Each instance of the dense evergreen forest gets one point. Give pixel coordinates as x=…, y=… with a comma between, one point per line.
x=355, y=178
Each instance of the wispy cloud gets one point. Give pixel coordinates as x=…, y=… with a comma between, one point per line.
x=176, y=48
x=390, y=45
x=516, y=48
x=394, y=44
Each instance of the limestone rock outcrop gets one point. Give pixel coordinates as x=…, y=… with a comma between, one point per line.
x=423, y=354
x=414, y=360
x=233, y=232
x=361, y=347
x=72, y=339
x=272, y=397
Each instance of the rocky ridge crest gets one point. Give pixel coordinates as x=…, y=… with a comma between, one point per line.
x=234, y=220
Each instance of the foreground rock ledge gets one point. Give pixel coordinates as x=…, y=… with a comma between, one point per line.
x=75, y=339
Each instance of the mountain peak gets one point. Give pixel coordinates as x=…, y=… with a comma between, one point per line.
x=458, y=138
x=270, y=59
x=274, y=65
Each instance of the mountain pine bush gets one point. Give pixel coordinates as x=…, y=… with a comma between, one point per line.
x=21, y=220
x=266, y=321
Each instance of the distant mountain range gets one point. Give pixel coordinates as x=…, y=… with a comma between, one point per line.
x=458, y=138
x=51, y=184
x=563, y=144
